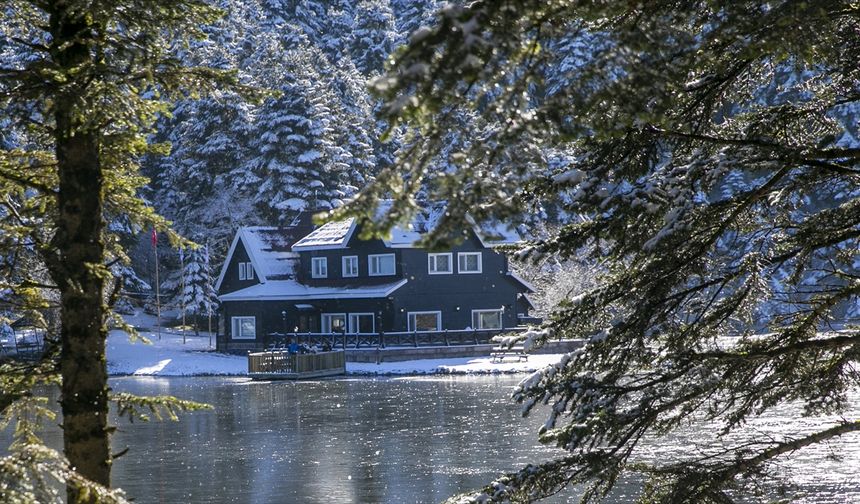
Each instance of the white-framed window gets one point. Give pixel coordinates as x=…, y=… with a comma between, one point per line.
x=333, y=322
x=350, y=266
x=361, y=323
x=319, y=267
x=468, y=262
x=380, y=264
x=440, y=264
x=487, y=319
x=244, y=327
x=246, y=271
x=425, y=321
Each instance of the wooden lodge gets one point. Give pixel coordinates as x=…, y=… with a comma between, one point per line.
x=327, y=282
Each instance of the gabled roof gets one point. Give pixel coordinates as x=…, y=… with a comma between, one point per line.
x=336, y=235
x=522, y=281
x=290, y=290
x=269, y=251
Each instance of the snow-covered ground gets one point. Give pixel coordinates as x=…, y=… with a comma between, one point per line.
x=169, y=356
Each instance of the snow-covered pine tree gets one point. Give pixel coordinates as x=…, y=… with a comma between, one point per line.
x=290, y=142
x=199, y=296
x=374, y=35
x=91, y=81
x=409, y=15
x=206, y=167
x=698, y=261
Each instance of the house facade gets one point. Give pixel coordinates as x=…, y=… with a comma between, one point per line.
x=278, y=281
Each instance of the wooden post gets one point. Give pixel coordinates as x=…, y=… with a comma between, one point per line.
x=182, y=288
x=157, y=287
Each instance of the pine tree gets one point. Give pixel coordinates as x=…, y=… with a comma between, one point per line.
x=713, y=166
x=199, y=297
x=90, y=80
x=290, y=147
x=374, y=35
x=410, y=15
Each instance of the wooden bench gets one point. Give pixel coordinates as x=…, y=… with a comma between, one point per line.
x=498, y=354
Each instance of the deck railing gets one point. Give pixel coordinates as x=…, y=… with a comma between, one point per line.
x=280, y=361
x=389, y=339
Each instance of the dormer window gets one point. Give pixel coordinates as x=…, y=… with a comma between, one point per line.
x=246, y=271
x=350, y=266
x=319, y=267
x=380, y=264
x=440, y=264
x=469, y=262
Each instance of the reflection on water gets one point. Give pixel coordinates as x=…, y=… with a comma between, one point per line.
x=379, y=440
x=354, y=440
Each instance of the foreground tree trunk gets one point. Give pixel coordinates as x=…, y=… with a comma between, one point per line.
x=78, y=267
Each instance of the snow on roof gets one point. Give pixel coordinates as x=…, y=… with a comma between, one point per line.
x=330, y=235
x=335, y=235
x=493, y=234
x=522, y=281
x=285, y=290
x=269, y=248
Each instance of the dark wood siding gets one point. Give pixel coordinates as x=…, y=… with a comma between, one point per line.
x=356, y=247
x=231, y=280
x=490, y=289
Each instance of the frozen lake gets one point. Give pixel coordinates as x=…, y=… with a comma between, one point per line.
x=409, y=439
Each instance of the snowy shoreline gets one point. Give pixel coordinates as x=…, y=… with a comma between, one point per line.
x=169, y=356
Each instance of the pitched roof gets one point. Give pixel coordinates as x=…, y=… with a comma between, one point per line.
x=291, y=290
x=334, y=235
x=269, y=251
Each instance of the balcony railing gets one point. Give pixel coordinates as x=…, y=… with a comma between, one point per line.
x=388, y=339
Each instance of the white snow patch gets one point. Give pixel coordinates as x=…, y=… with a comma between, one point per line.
x=169, y=356
x=461, y=365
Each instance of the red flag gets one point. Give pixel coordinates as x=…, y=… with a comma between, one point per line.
x=154, y=237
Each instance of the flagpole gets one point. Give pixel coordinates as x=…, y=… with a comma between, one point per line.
x=157, y=288
x=208, y=301
x=182, y=288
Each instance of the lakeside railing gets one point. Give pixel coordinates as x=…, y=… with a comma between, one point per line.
x=389, y=339
x=283, y=362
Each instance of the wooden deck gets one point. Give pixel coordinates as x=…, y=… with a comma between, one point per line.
x=281, y=365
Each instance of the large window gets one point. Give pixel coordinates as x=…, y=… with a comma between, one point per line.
x=425, y=321
x=246, y=271
x=319, y=267
x=350, y=266
x=380, y=264
x=333, y=322
x=440, y=264
x=487, y=319
x=244, y=328
x=469, y=262
x=361, y=323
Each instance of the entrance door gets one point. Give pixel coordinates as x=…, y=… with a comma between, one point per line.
x=308, y=323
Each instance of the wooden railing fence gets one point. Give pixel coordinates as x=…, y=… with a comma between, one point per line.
x=388, y=339
x=281, y=361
